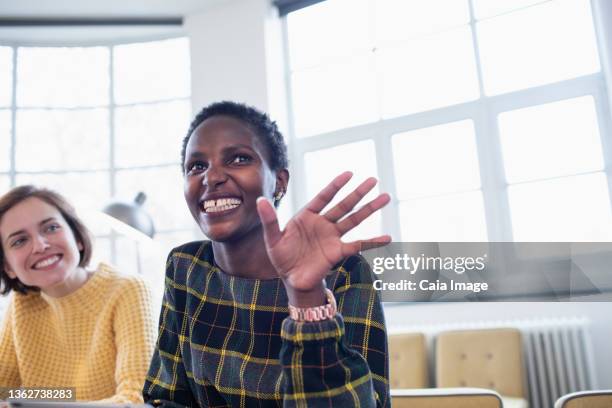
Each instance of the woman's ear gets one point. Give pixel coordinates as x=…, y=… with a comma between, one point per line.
x=282, y=180
x=80, y=245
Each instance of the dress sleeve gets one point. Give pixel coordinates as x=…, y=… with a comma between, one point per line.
x=134, y=341
x=166, y=383
x=9, y=369
x=342, y=361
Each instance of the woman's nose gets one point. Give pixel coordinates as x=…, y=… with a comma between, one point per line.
x=214, y=176
x=40, y=244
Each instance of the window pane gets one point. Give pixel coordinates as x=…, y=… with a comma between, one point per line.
x=489, y=8
x=334, y=97
x=62, y=140
x=428, y=73
x=5, y=140
x=398, y=20
x=322, y=166
x=154, y=131
x=341, y=30
x=6, y=76
x=166, y=205
x=5, y=184
x=546, y=43
x=71, y=77
x=436, y=160
x=568, y=209
x=152, y=71
x=85, y=191
x=455, y=217
x=554, y=139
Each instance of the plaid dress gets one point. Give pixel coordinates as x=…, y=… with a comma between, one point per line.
x=227, y=341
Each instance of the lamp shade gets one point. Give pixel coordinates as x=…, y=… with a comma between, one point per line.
x=132, y=214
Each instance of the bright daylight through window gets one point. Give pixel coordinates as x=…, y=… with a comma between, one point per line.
x=100, y=122
x=477, y=120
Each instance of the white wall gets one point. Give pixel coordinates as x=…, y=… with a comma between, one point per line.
x=232, y=49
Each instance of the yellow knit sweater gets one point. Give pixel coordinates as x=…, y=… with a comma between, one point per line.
x=98, y=339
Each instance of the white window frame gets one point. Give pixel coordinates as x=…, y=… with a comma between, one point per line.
x=112, y=168
x=483, y=112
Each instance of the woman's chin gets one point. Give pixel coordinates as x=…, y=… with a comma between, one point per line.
x=52, y=282
x=218, y=234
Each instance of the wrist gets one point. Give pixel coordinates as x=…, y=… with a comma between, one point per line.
x=315, y=313
x=307, y=298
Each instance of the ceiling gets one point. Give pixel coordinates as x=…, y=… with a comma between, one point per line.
x=103, y=8
x=94, y=9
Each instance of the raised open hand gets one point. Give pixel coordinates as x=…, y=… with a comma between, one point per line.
x=304, y=252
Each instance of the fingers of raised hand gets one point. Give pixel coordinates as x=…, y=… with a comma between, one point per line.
x=329, y=192
x=364, y=212
x=269, y=221
x=351, y=248
x=346, y=205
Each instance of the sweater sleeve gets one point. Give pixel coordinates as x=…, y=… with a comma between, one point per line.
x=342, y=361
x=9, y=369
x=166, y=383
x=134, y=340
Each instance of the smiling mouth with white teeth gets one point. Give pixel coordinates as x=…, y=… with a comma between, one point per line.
x=221, y=204
x=46, y=262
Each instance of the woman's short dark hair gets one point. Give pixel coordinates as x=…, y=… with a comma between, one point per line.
x=258, y=121
x=81, y=234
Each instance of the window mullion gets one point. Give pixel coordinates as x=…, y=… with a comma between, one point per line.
x=111, y=116
x=492, y=175
x=603, y=98
x=476, y=49
x=112, y=164
x=13, y=152
x=295, y=161
x=387, y=183
x=602, y=106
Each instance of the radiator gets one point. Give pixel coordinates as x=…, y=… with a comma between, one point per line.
x=558, y=360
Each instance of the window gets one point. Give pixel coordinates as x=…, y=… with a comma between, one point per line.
x=480, y=123
x=101, y=122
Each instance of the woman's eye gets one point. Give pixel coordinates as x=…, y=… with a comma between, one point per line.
x=18, y=242
x=196, y=168
x=53, y=228
x=241, y=158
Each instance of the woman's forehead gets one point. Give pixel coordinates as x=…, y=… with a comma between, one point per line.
x=223, y=131
x=29, y=212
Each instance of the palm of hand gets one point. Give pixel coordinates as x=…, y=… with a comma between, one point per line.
x=309, y=243
x=304, y=252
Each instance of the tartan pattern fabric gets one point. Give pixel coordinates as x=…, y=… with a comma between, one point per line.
x=227, y=341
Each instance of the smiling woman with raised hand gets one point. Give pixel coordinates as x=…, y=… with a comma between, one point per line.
x=260, y=316
x=67, y=326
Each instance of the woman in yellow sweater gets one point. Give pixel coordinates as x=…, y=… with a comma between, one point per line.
x=67, y=326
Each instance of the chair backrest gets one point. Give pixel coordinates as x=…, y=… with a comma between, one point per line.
x=407, y=361
x=446, y=398
x=586, y=399
x=489, y=358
